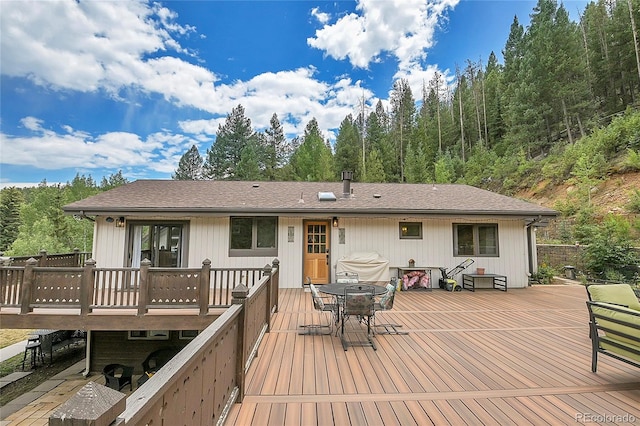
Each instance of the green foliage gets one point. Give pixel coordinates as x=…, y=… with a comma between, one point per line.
x=445, y=169
x=375, y=169
x=11, y=201
x=610, y=248
x=633, y=206
x=632, y=160
x=545, y=274
x=190, y=166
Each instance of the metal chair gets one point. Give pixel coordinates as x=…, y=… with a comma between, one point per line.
x=319, y=304
x=117, y=376
x=358, y=301
x=386, y=304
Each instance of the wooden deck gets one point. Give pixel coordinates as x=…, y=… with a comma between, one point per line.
x=489, y=357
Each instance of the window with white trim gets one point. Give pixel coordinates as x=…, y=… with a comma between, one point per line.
x=475, y=239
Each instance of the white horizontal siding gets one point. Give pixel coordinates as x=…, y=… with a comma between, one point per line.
x=208, y=238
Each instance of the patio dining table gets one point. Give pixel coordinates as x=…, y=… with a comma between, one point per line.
x=337, y=290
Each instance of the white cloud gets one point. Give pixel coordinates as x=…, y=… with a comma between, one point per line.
x=50, y=150
x=402, y=28
x=322, y=17
x=102, y=45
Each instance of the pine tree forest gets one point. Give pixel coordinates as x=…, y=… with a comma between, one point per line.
x=559, y=81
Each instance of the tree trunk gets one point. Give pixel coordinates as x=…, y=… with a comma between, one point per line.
x=635, y=36
x=566, y=121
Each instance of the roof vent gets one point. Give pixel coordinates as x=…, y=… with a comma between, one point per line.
x=256, y=185
x=326, y=196
x=377, y=195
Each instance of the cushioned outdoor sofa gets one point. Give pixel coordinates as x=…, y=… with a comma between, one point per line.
x=614, y=314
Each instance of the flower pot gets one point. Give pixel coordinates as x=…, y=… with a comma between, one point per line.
x=480, y=271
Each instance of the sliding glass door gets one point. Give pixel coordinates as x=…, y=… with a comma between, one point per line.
x=161, y=243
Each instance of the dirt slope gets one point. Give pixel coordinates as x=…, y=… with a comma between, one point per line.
x=611, y=195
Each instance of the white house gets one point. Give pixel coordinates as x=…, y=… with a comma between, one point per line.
x=310, y=226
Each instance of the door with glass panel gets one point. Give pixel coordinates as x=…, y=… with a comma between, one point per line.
x=161, y=243
x=316, y=251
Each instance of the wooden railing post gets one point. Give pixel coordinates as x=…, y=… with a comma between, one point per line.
x=76, y=257
x=86, y=290
x=143, y=300
x=275, y=281
x=239, y=297
x=43, y=258
x=205, y=279
x=27, y=286
x=267, y=271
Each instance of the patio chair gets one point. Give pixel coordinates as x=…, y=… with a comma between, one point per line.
x=321, y=304
x=614, y=323
x=358, y=301
x=117, y=376
x=386, y=304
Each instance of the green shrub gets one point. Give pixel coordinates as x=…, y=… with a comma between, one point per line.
x=545, y=274
x=632, y=160
x=610, y=248
x=633, y=206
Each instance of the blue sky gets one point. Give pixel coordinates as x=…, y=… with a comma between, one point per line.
x=94, y=87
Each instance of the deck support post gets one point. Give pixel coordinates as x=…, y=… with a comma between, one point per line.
x=27, y=286
x=275, y=285
x=205, y=279
x=266, y=271
x=143, y=301
x=86, y=289
x=239, y=297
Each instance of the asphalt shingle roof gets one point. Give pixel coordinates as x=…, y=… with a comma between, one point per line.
x=209, y=197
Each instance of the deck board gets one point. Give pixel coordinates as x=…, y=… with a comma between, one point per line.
x=488, y=357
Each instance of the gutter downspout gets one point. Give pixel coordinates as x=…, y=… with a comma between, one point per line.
x=529, y=229
x=87, y=355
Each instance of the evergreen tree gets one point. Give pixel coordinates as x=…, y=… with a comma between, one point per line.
x=190, y=166
x=276, y=151
x=224, y=155
x=493, y=83
x=248, y=167
x=312, y=161
x=11, y=200
x=348, y=148
x=445, y=169
x=375, y=168
x=415, y=165
x=113, y=181
x=403, y=111
x=378, y=138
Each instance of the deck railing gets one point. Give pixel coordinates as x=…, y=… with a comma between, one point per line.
x=77, y=258
x=203, y=381
x=89, y=288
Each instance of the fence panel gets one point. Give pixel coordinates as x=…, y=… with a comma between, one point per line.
x=11, y=279
x=116, y=288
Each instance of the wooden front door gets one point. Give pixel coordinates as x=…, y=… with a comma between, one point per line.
x=316, y=251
